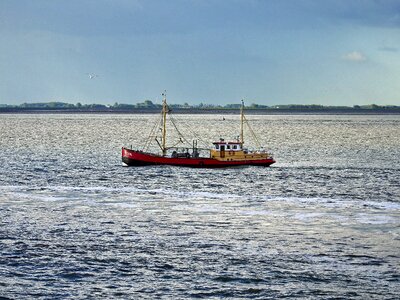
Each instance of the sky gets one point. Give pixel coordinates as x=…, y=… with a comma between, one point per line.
x=331, y=52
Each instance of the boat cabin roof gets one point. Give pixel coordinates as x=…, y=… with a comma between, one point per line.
x=228, y=146
x=225, y=143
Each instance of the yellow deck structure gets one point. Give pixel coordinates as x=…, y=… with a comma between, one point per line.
x=233, y=151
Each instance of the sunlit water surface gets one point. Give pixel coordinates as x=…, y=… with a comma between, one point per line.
x=323, y=222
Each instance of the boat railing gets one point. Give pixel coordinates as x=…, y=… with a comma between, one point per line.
x=256, y=151
x=186, y=152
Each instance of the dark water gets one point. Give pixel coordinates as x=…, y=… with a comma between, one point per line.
x=322, y=223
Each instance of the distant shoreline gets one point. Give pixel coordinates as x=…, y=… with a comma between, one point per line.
x=148, y=107
x=275, y=111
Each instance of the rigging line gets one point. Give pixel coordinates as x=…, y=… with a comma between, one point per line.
x=151, y=135
x=175, y=146
x=145, y=146
x=176, y=128
x=194, y=134
x=252, y=132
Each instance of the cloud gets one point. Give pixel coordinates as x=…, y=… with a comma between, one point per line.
x=355, y=56
x=375, y=13
x=389, y=49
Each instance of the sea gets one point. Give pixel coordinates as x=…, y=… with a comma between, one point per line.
x=323, y=222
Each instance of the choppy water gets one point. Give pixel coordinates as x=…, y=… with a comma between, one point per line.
x=323, y=222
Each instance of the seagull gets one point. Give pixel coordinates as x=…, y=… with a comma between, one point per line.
x=92, y=76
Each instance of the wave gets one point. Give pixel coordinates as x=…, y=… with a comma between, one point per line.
x=62, y=193
x=299, y=209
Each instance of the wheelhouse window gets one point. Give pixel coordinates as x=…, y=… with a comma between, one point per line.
x=217, y=147
x=228, y=147
x=235, y=147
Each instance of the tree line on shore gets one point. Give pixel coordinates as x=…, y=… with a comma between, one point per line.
x=149, y=105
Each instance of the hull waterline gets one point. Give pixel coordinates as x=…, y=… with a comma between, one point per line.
x=137, y=158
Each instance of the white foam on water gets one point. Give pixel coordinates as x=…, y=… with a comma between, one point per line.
x=206, y=209
x=122, y=204
x=257, y=213
x=12, y=187
x=99, y=193
x=343, y=220
x=375, y=219
x=308, y=217
x=36, y=197
x=93, y=189
x=48, y=198
x=383, y=205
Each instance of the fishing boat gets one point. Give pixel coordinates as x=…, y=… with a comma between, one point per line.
x=222, y=154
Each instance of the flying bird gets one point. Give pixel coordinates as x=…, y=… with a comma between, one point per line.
x=92, y=76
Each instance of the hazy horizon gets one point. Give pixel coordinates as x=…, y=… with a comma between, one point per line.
x=192, y=104
x=330, y=53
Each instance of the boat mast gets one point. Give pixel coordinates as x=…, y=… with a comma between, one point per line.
x=241, y=122
x=164, y=121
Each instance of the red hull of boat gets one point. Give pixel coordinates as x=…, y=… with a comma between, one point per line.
x=138, y=158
